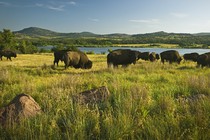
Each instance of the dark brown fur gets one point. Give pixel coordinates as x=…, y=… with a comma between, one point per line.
x=77, y=59
x=122, y=57
x=170, y=56
x=191, y=56
x=8, y=54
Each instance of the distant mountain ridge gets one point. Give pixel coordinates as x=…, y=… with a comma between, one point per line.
x=39, y=32
x=35, y=31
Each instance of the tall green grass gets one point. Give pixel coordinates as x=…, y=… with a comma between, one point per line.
x=147, y=100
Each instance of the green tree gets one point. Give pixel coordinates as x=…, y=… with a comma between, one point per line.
x=26, y=47
x=7, y=40
x=22, y=47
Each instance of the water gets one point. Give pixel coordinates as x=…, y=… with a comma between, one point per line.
x=156, y=50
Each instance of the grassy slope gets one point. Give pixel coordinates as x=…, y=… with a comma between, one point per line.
x=148, y=100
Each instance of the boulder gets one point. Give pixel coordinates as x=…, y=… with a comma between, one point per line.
x=93, y=96
x=21, y=107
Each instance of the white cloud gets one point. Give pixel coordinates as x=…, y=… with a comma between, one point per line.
x=39, y=5
x=179, y=15
x=4, y=3
x=93, y=19
x=56, y=8
x=71, y=3
x=148, y=21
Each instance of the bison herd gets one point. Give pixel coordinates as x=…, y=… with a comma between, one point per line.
x=124, y=57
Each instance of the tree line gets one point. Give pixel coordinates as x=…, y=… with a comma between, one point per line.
x=9, y=40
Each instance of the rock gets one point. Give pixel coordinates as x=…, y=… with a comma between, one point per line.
x=93, y=96
x=21, y=107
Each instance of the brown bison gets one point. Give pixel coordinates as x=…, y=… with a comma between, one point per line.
x=157, y=56
x=203, y=60
x=8, y=54
x=122, y=57
x=171, y=56
x=152, y=56
x=144, y=56
x=191, y=56
x=77, y=59
x=59, y=56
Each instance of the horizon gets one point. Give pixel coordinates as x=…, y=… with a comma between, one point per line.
x=112, y=33
x=107, y=17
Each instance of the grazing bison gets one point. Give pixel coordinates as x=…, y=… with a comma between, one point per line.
x=122, y=57
x=157, y=56
x=171, y=56
x=8, y=54
x=152, y=56
x=59, y=56
x=77, y=59
x=191, y=56
x=144, y=56
x=203, y=60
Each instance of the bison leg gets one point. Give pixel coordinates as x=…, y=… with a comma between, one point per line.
x=115, y=65
x=109, y=65
x=162, y=60
x=124, y=66
x=9, y=58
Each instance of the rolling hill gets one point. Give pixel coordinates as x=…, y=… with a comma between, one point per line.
x=39, y=32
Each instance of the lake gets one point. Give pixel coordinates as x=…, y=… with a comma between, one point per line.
x=156, y=50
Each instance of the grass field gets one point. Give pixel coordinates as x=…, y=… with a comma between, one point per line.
x=147, y=100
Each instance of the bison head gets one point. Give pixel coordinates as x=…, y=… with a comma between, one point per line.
x=88, y=65
x=14, y=54
x=179, y=60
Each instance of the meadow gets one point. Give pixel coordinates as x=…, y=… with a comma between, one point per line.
x=147, y=100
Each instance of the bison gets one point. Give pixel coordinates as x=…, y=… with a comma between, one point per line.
x=144, y=56
x=122, y=57
x=59, y=56
x=152, y=56
x=171, y=56
x=157, y=56
x=8, y=54
x=203, y=60
x=77, y=59
x=191, y=56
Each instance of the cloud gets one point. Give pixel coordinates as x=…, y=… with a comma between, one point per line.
x=71, y=3
x=39, y=5
x=179, y=15
x=56, y=8
x=93, y=19
x=150, y=21
x=4, y=3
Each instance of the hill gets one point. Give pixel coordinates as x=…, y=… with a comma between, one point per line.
x=203, y=34
x=184, y=40
x=40, y=32
x=35, y=32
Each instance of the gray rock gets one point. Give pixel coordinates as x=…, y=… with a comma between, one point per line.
x=93, y=96
x=21, y=107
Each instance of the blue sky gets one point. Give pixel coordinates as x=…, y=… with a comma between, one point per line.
x=107, y=16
